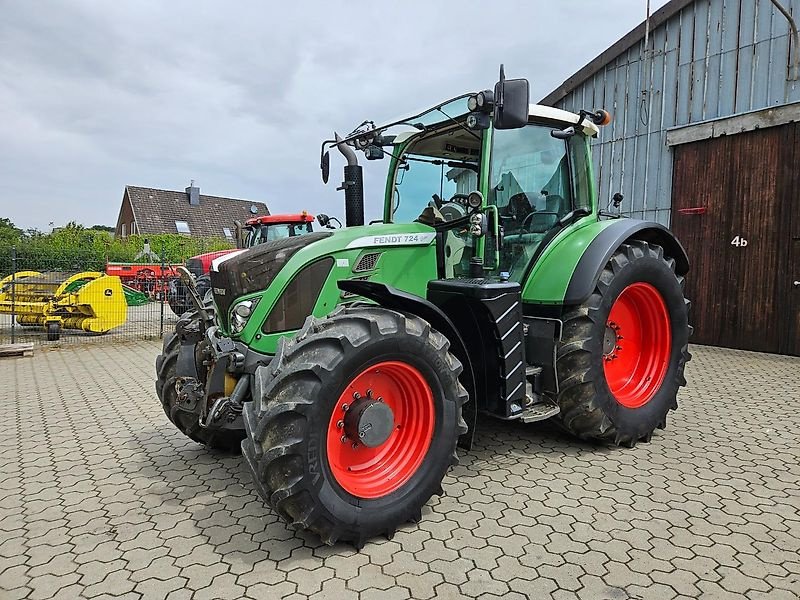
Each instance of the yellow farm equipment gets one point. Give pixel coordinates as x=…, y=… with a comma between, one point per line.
x=87, y=301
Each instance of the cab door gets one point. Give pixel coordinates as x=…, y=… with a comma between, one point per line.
x=534, y=181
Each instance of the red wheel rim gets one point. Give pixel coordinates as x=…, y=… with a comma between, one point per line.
x=375, y=472
x=637, y=345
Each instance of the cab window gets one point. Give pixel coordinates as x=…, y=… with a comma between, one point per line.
x=530, y=185
x=435, y=174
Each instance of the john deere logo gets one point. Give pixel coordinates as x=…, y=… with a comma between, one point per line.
x=108, y=292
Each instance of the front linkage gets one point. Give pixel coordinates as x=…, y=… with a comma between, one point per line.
x=203, y=377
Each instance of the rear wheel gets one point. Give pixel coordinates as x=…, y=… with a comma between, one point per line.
x=623, y=352
x=187, y=421
x=354, y=423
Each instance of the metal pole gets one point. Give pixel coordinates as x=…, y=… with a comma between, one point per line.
x=161, y=290
x=13, y=294
x=795, y=38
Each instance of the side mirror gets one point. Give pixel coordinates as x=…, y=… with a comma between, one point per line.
x=323, y=220
x=512, y=97
x=325, y=166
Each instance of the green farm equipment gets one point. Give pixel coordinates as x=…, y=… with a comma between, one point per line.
x=351, y=363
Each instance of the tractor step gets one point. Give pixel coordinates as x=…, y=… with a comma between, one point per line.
x=539, y=411
x=532, y=372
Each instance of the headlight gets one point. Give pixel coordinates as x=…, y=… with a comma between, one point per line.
x=240, y=314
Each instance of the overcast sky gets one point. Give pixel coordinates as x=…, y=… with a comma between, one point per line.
x=95, y=95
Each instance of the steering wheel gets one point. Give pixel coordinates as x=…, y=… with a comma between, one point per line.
x=526, y=222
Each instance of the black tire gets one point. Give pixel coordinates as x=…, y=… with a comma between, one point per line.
x=187, y=422
x=287, y=422
x=53, y=332
x=178, y=297
x=589, y=410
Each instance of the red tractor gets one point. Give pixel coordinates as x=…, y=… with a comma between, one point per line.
x=258, y=230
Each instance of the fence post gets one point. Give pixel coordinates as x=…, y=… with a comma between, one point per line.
x=162, y=289
x=13, y=294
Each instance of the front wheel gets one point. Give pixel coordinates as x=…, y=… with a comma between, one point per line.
x=623, y=352
x=355, y=423
x=227, y=440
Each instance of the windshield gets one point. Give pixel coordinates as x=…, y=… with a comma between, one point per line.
x=258, y=234
x=436, y=172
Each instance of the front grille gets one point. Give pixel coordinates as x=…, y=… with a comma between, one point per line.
x=254, y=269
x=367, y=262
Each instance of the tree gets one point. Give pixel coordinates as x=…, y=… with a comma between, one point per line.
x=9, y=233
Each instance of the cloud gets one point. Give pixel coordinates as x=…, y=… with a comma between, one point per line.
x=238, y=96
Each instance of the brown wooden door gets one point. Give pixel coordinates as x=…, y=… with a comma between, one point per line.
x=732, y=210
x=791, y=198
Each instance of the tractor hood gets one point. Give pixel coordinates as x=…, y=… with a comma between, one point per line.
x=248, y=271
x=266, y=270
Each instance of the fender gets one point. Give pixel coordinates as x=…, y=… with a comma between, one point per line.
x=594, y=259
x=400, y=301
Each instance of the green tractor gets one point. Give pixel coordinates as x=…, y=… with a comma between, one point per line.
x=351, y=363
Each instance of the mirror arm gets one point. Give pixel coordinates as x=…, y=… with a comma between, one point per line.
x=495, y=229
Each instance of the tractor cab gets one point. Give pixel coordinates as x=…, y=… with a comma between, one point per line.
x=268, y=228
x=526, y=185
x=497, y=177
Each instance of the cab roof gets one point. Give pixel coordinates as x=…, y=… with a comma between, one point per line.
x=550, y=113
x=302, y=217
x=536, y=112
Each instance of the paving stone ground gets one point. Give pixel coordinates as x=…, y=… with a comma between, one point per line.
x=100, y=497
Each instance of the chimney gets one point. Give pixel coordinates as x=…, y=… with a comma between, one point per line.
x=194, y=194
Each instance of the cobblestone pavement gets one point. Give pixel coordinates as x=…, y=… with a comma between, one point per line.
x=101, y=497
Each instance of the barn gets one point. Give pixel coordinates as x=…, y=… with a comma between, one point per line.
x=707, y=142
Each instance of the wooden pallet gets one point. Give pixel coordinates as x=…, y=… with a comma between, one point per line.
x=9, y=350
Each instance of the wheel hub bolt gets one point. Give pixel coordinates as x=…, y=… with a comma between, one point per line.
x=345, y=407
x=356, y=395
x=340, y=424
x=355, y=446
x=344, y=439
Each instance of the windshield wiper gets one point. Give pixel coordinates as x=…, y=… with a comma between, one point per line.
x=464, y=127
x=448, y=163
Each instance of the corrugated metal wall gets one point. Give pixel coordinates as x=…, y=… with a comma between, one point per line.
x=715, y=58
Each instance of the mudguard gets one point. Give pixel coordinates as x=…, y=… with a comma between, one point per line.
x=400, y=301
x=597, y=254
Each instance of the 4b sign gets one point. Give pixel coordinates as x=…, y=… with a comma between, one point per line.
x=739, y=242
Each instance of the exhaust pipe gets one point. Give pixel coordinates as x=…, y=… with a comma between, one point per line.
x=353, y=186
